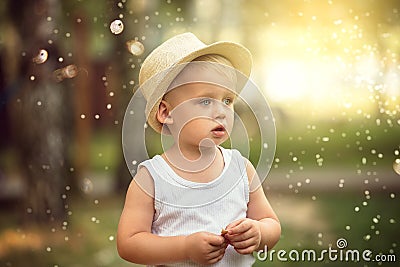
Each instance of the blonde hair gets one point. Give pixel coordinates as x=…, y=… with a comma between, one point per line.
x=214, y=58
x=212, y=63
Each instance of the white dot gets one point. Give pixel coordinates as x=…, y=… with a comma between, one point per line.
x=108, y=106
x=83, y=116
x=32, y=78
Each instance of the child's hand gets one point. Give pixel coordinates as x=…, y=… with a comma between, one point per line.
x=244, y=235
x=205, y=248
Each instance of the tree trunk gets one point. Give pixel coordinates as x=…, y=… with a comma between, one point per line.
x=38, y=112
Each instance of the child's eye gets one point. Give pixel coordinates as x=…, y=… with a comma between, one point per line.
x=227, y=101
x=205, y=102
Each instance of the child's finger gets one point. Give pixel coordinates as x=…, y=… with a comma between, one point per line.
x=243, y=244
x=217, y=258
x=233, y=224
x=244, y=251
x=215, y=253
x=216, y=240
x=239, y=228
x=239, y=237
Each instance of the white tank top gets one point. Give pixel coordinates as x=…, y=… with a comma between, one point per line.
x=184, y=207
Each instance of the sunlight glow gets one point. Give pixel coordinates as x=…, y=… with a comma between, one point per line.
x=287, y=80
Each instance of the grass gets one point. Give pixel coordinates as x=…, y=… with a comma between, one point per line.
x=88, y=239
x=338, y=142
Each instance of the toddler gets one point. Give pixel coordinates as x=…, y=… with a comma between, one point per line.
x=196, y=204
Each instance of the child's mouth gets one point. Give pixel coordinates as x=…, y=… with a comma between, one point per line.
x=219, y=131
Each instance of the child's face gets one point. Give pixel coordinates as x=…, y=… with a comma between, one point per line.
x=199, y=112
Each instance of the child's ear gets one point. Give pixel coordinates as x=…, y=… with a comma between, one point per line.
x=164, y=113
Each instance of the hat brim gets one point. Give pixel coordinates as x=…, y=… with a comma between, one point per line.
x=239, y=56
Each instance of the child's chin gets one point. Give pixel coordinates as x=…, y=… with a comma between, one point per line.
x=219, y=141
x=209, y=143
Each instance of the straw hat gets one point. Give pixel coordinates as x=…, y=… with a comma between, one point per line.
x=162, y=65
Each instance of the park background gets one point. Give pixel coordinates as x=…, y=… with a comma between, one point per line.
x=328, y=68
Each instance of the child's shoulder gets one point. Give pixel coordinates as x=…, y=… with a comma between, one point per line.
x=232, y=153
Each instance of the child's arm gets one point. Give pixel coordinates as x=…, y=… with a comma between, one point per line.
x=261, y=227
x=137, y=244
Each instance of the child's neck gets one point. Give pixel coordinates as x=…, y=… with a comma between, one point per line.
x=191, y=159
x=201, y=166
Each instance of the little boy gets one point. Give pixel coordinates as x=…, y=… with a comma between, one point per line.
x=179, y=201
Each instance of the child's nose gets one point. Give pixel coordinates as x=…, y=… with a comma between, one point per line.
x=220, y=110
